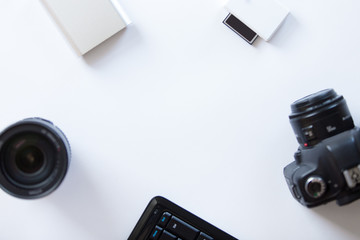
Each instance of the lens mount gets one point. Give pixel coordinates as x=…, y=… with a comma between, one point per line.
x=34, y=158
x=319, y=116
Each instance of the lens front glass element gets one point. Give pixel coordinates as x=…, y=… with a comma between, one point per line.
x=29, y=160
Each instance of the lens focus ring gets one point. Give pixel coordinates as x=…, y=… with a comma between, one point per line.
x=319, y=116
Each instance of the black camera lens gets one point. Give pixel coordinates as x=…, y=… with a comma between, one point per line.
x=319, y=116
x=34, y=158
x=315, y=187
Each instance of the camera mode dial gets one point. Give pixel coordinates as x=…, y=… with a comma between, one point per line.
x=315, y=186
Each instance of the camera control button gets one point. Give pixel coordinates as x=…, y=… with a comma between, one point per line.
x=297, y=156
x=315, y=186
x=309, y=133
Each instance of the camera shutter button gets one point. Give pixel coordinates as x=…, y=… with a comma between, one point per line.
x=297, y=156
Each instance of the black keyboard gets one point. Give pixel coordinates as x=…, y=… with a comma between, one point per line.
x=164, y=220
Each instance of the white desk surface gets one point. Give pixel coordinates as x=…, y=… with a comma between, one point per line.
x=180, y=106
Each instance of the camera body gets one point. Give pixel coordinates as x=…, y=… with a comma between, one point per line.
x=327, y=162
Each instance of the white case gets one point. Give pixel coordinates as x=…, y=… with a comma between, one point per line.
x=263, y=16
x=87, y=23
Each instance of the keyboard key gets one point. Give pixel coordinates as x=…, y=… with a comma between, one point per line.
x=164, y=219
x=182, y=229
x=155, y=233
x=203, y=236
x=167, y=236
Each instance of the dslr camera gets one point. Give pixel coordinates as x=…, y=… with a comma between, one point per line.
x=327, y=162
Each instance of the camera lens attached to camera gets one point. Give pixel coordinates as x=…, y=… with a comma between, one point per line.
x=34, y=158
x=319, y=116
x=327, y=162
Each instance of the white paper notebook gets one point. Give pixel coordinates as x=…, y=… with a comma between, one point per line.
x=87, y=23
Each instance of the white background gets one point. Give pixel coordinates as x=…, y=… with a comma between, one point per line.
x=180, y=106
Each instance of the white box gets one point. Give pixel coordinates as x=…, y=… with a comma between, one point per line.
x=263, y=16
x=87, y=23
